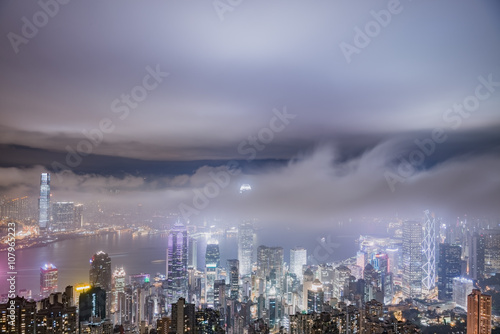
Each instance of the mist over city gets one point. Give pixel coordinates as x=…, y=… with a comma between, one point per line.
x=236, y=166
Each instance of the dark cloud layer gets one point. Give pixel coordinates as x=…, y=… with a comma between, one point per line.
x=315, y=187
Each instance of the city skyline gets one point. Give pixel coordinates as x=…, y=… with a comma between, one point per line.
x=250, y=167
x=276, y=289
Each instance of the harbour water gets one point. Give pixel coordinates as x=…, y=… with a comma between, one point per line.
x=146, y=254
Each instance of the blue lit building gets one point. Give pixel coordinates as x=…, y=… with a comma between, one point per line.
x=177, y=259
x=44, y=202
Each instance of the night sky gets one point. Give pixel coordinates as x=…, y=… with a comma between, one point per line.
x=327, y=108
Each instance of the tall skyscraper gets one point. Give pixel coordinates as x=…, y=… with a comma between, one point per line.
x=450, y=266
x=245, y=247
x=393, y=256
x=118, y=292
x=44, y=202
x=78, y=217
x=219, y=294
x=270, y=265
x=361, y=260
x=476, y=256
x=298, y=259
x=341, y=276
x=48, y=280
x=478, y=313
x=381, y=263
x=212, y=267
x=429, y=253
x=462, y=287
x=412, y=259
x=233, y=268
x=100, y=271
x=193, y=253
x=63, y=215
x=491, y=252
x=315, y=297
x=177, y=258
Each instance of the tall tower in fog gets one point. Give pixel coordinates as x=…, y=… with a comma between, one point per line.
x=212, y=266
x=450, y=266
x=177, y=263
x=245, y=247
x=476, y=255
x=429, y=253
x=270, y=265
x=44, y=202
x=298, y=259
x=412, y=259
x=192, y=253
x=233, y=270
x=118, y=299
x=78, y=216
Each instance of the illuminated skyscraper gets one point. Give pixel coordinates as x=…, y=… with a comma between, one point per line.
x=274, y=309
x=219, y=294
x=393, y=265
x=478, y=313
x=341, y=276
x=315, y=297
x=361, y=259
x=491, y=252
x=212, y=267
x=177, y=258
x=44, y=202
x=270, y=265
x=193, y=253
x=412, y=259
x=118, y=291
x=462, y=287
x=298, y=259
x=429, y=253
x=78, y=218
x=100, y=271
x=476, y=256
x=233, y=269
x=48, y=280
x=245, y=247
x=450, y=266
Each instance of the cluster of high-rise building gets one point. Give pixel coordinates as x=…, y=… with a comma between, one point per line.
x=57, y=216
x=259, y=292
x=20, y=209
